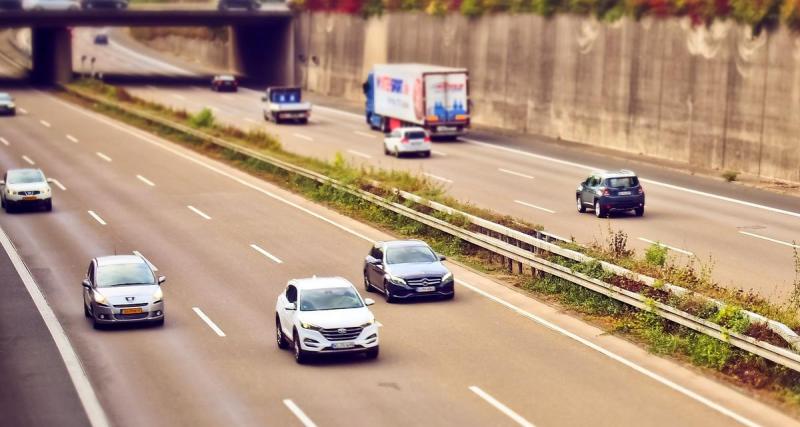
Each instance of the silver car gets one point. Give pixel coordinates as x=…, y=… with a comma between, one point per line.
x=122, y=289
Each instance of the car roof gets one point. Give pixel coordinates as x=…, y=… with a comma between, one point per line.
x=320, y=283
x=615, y=174
x=403, y=243
x=119, y=259
x=5, y=95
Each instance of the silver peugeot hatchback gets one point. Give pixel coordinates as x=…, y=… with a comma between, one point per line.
x=122, y=289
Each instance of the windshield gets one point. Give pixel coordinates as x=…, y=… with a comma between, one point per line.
x=415, y=135
x=329, y=299
x=283, y=96
x=124, y=274
x=25, y=177
x=5, y=97
x=410, y=254
x=628, y=181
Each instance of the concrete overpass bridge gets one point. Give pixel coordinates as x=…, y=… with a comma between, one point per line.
x=262, y=41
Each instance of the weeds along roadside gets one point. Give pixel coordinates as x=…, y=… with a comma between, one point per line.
x=658, y=334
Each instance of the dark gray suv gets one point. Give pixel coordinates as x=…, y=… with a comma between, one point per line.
x=607, y=192
x=404, y=269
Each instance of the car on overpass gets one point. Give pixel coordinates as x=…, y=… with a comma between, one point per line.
x=608, y=192
x=101, y=39
x=25, y=187
x=226, y=5
x=122, y=289
x=406, y=269
x=325, y=315
x=104, y=4
x=51, y=5
x=7, y=104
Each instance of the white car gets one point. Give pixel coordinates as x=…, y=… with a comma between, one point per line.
x=411, y=140
x=29, y=187
x=51, y=5
x=7, y=105
x=324, y=315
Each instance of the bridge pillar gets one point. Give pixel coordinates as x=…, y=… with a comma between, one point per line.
x=51, y=51
x=264, y=53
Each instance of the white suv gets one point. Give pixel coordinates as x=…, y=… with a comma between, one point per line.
x=25, y=187
x=411, y=140
x=325, y=315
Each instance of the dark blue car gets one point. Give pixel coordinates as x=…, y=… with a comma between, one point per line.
x=608, y=192
x=405, y=269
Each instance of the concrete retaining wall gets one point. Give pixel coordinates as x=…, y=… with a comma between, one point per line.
x=710, y=97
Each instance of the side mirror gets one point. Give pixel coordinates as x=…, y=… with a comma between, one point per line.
x=162, y=279
x=86, y=284
x=372, y=260
x=290, y=306
x=369, y=301
x=442, y=257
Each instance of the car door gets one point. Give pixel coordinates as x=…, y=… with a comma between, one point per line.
x=287, y=316
x=375, y=271
x=588, y=190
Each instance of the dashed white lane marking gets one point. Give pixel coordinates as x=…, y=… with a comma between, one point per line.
x=152, y=266
x=501, y=407
x=22, y=110
x=304, y=419
x=266, y=254
x=519, y=174
x=97, y=217
x=58, y=184
x=208, y=321
x=28, y=160
x=439, y=153
x=248, y=119
x=672, y=248
x=103, y=156
x=530, y=205
x=72, y=138
x=359, y=154
x=4, y=141
x=45, y=123
x=780, y=242
x=437, y=177
x=145, y=180
x=198, y=211
x=301, y=136
x=364, y=134
x=181, y=97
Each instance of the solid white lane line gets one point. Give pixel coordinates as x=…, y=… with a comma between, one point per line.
x=301, y=136
x=145, y=180
x=72, y=138
x=644, y=371
x=510, y=172
x=44, y=123
x=500, y=407
x=28, y=160
x=364, y=134
x=198, y=211
x=359, y=154
x=299, y=413
x=780, y=242
x=88, y=397
x=534, y=206
x=22, y=110
x=103, y=156
x=181, y=97
x=4, y=141
x=139, y=254
x=667, y=246
x=439, y=153
x=58, y=184
x=208, y=321
x=437, y=177
x=97, y=217
x=248, y=119
x=266, y=254
x=648, y=181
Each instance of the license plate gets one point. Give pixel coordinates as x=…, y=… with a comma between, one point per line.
x=340, y=345
x=624, y=193
x=29, y=198
x=136, y=310
x=426, y=289
x=446, y=129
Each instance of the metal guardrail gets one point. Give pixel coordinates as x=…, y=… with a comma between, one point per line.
x=506, y=249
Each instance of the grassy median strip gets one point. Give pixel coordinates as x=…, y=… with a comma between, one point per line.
x=661, y=336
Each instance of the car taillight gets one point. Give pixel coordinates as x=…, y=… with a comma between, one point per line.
x=404, y=140
x=427, y=138
x=641, y=190
x=605, y=191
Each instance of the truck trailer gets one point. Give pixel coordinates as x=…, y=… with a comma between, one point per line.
x=429, y=96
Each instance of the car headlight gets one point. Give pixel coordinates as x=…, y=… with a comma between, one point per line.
x=447, y=277
x=100, y=298
x=372, y=321
x=395, y=280
x=310, y=327
x=158, y=296
x=12, y=105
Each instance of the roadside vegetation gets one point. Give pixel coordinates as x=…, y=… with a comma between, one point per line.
x=645, y=327
x=213, y=34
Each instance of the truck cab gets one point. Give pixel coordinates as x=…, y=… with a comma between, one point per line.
x=284, y=104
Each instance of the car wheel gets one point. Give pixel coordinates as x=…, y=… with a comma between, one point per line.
x=599, y=211
x=397, y=153
x=300, y=355
x=579, y=202
x=387, y=293
x=639, y=211
x=48, y=205
x=159, y=322
x=2, y=202
x=367, y=286
x=426, y=154
x=86, y=311
x=449, y=297
x=95, y=323
x=373, y=352
x=386, y=149
x=283, y=344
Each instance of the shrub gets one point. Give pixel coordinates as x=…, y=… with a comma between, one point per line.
x=471, y=8
x=730, y=176
x=656, y=255
x=203, y=119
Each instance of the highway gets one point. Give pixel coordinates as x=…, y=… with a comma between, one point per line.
x=442, y=363
x=745, y=235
